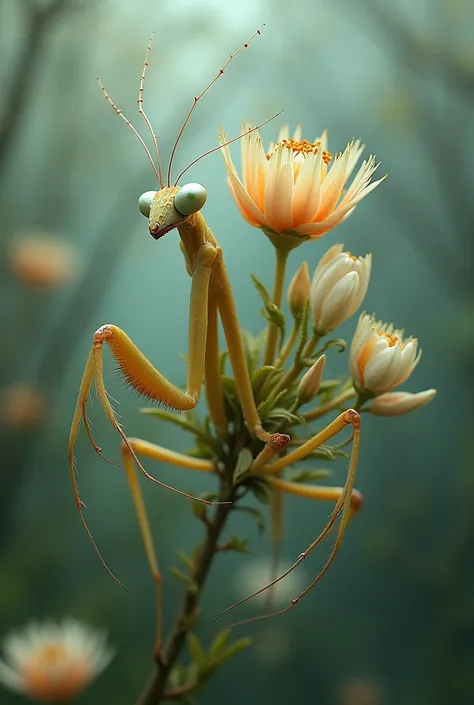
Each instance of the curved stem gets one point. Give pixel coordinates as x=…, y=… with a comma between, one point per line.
x=272, y=334
x=288, y=345
x=155, y=691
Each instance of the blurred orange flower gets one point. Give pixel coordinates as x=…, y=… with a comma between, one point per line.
x=41, y=261
x=51, y=662
x=21, y=405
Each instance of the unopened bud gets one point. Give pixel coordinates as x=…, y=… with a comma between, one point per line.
x=396, y=403
x=299, y=291
x=311, y=381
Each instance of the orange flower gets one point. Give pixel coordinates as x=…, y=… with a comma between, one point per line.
x=297, y=188
x=53, y=663
x=42, y=262
x=21, y=405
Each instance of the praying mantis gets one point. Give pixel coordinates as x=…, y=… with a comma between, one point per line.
x=174, y=207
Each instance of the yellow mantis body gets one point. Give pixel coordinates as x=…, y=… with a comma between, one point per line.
x=173, y=207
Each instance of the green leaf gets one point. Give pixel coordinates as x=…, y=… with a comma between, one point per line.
x=184, y=558
x=283, y=414
x=274, y=315
x=236, y=544
x=263, y=293
x=235, y=648
x=188, y=582
x=219, y=643
x=260, y=489
x=252, y=349
x=310, y=475
x=333, y=343
x=269, y=403
x=196, y=650
x=303, y=332
x=243, y=465
x=223, y=361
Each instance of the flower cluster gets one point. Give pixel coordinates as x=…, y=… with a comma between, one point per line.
x=296, y=191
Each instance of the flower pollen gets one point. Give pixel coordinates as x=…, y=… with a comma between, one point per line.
x=303, y=147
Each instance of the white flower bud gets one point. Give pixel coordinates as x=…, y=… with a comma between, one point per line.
x=298, y=291
x=311, y=381
x=396, y=403
x=338, y=288
x=380, y=359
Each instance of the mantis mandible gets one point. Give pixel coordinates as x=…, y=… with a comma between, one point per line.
x=178, y=207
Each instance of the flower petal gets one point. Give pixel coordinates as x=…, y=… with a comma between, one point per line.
x=307, y=196
x=279, y=189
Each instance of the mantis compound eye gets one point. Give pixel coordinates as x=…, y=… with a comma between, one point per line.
x=144, y=202
x=190, y=199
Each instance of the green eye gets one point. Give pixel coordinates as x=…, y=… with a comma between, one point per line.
x=190, y=199
x=144, y=202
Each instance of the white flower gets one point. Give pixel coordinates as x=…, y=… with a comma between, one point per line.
x=53, y=662
x=338, y=288
x=396, y=403
x=296, y=187
x=380, y=359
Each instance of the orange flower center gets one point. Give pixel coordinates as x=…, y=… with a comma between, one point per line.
x=391, y=339
x=305, y=147
x=54, y=674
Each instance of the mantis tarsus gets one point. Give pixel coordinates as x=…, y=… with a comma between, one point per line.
x=211, y=298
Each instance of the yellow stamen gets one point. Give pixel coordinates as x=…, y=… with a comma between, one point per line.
x=304, y=147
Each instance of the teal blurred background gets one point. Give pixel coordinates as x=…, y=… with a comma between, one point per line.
x=393, y=621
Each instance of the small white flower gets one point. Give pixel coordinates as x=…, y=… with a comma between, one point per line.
x=396, y=403
x=338, y=288
x=53, y=662
x=380, y=359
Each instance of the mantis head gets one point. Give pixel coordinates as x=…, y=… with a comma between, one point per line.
x=172, y=205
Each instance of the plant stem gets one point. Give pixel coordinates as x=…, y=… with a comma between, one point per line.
x=288, y=345
x=272, y=334
x=333, y=404
x=297, y=366
x=156, y=689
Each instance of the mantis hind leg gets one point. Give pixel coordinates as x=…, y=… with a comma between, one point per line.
x=348, y=501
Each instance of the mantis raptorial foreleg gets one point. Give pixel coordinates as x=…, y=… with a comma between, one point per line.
x=347, y=502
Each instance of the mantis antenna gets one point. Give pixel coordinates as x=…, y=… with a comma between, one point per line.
x=196, y=99
x=157, y=169
x=145, y=116
x=234, y=139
